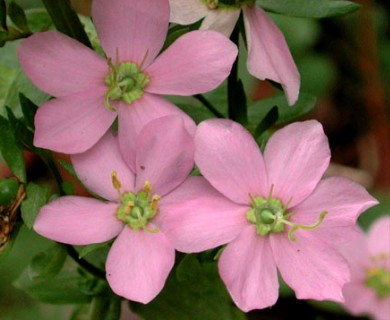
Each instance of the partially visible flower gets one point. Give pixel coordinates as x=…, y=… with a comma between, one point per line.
x=368, y=293
x=273, y=210
x=268, y=54
x=92, y=91
x=141, y=256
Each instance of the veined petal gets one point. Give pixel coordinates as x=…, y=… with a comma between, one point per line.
x=229, y=158
x=310, y=266
x=195, y=63
x=78, y=221
x=379, y=238
x=187, y=11
x=60, y=65
x=132, y=118
x=249, y=272
x=220, y=20
x=164, y=154
x=296, y=157
x=73, y=124
x=196, y=217
x=268, y=54
x=343, y=199
x=133, y=30
x=138, y=264
x=95, y=167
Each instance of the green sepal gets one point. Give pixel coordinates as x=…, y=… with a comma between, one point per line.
x=18, y=17
x=174, y=33
x=105, y=306
x=29, y=109
x=8, y=191
x=92, y=247
x=267, y=122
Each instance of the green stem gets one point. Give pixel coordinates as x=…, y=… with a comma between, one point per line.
x=85, y=264
x=208, y=105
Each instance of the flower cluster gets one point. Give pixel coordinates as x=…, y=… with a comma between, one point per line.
x=272, y=210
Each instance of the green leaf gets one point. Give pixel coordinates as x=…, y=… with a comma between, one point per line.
x=188, y=268
x=8, y=191
x=47, y=264
x=22, y=134
x=18, y=17
x=68, y=188
x=36, y=197
x=11, y=150
x=3, y=15
x=92, y=247
x=106, y=306
x=174, y=33
x=267, y=122
x=38, y=20
x=29, y=109
x=309, y=8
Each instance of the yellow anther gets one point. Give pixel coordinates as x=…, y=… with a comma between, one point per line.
x=147, y=187
x=115, y=181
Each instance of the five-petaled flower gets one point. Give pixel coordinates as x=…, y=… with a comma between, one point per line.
x=268, y=54
x=141, y=256
x=273, y=210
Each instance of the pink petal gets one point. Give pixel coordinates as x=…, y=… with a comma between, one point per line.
x=344, y=200
x=187, y=11
x=60, y=65
x=74, y=123
x=310, y=266
x=138, y=264
x=230, y=160
x=132, y=118
x=222, y=21
x=248, y=270
x=131, y=30
x=95, y=166
x=268, y=54
x=379, y=238
x=164, y=154
x=78, y=221
x=196, y=217
x=197, y=62
x=296, y=157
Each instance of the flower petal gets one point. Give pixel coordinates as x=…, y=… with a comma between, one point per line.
x=196, y=217
x=132, y=118
x=74, y=123
x=248, y=269
x=95, y=166
x=60, y=65
x=187, y=11
x=131, y=30
x=78, y=221
x=344, y=200
x=268, y=54
x=164, y=154
x=296, y=157
x=230, y=160
x=138, y=264
x=197, y=62
x=222, y=21
x=379, y=238
x=310, y=266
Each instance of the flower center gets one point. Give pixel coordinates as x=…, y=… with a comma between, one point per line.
x=125, y=82
x=137, y=210
x=378, y=277
x=227, y=4
x=270, y=215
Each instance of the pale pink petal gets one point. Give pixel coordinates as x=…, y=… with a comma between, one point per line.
x=60, y=65
x=268, y=54
x=74, y=123
x=95, y=166
x=195, y=63
x=229, y=158
x=164, y=154
x=343, y=199
x=187, y=11
x=296, y=157
x=379, y=238
x=196, y=217
x=131, y=30
x=132, y=118
x=310, y=266
x=221, y=20
x=78, y=221
x=138, y=264
x=248, y=270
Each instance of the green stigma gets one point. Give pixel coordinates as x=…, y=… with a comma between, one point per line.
x=227, y=4
x=125, y=82
x=137, y=210
x=378, y=277
x=269, y=215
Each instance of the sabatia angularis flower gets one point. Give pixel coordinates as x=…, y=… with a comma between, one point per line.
x=91, y=90
x=268, y=54
x=273, y=210
x=141, y=256
x=368, y=293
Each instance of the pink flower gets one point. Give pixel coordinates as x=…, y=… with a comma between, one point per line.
x=273, y=210
x=368, y=293
x=92, y=91
x=141, y=256
x=268, y=53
